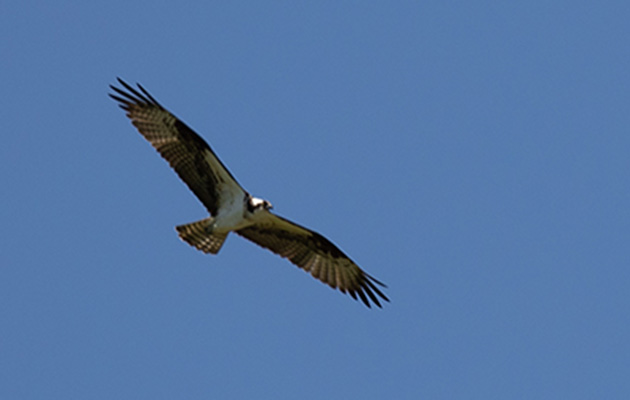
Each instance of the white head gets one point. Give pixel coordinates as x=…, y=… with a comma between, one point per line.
x=255, y=204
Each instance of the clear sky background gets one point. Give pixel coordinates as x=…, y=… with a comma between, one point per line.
x=474, y=156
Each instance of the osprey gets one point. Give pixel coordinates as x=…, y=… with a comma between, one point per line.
x=232, y=208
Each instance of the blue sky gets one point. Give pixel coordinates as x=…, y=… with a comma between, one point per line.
x=471, y=155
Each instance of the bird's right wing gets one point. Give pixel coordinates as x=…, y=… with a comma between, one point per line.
x=188, y=154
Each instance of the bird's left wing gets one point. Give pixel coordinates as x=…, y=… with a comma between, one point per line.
x=315, y=254
x=188, y=154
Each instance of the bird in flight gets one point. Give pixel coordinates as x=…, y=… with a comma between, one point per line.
x=232, y=208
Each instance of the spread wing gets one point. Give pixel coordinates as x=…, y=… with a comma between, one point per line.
x=188, y=154
x=315, y=254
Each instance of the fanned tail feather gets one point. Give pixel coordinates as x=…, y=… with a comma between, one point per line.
x=199, y=235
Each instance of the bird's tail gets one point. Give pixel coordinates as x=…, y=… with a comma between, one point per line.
x=199, y=234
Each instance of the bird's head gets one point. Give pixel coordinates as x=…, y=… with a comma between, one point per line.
x=255, y=204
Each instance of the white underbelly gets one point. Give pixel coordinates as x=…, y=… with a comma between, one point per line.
x=231, y=217
x=230, y=222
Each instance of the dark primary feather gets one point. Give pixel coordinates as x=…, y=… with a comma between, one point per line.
x=315, y=254
x=190, y=156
